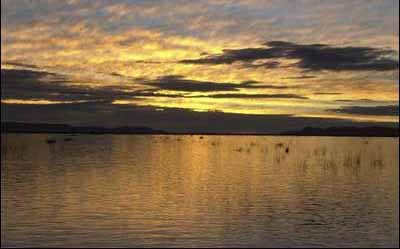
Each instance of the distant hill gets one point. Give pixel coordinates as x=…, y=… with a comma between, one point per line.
x=372, y=131
x=14, y=127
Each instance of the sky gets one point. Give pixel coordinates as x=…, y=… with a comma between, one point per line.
x=192, y=66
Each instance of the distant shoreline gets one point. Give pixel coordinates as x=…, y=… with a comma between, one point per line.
x=39, y=128
x=199, y=134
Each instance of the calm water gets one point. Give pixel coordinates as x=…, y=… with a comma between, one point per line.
x=186, y=191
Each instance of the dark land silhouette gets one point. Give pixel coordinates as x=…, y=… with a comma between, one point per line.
x=369, y=131
x=14, y=127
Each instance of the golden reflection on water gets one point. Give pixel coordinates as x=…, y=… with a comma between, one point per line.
x=199, y=191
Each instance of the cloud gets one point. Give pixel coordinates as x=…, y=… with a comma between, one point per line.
x=327, y=93
x=302, y=77
x=170, y=119
x=389, y=110
x=116, y=74
x=147, y=62
x=266, y=65
x=252, y=96
x=23, y=84
x=20, y=64
x=312, y=57
x=100, y=43
x=357, y=100
x=29, y=85
x=179, y=83
x=26, y=84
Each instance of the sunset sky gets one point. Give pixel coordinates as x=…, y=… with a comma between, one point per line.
x=240, y=66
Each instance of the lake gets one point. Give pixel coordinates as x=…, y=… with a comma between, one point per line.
x=199, y=191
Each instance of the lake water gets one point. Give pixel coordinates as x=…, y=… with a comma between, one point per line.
x=193, y=191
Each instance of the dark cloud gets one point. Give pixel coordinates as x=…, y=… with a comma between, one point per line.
x=33, y=85
x=171, y=119
x=179, y=83
x=252, y=96
x=327, y=93
x=388, y=110
x=116, y=74
x=312, y=57
x=147, y=62
x=19, y=64
x=28, y=85
x=357, y=100
x=302, y=77
x=263, y=86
